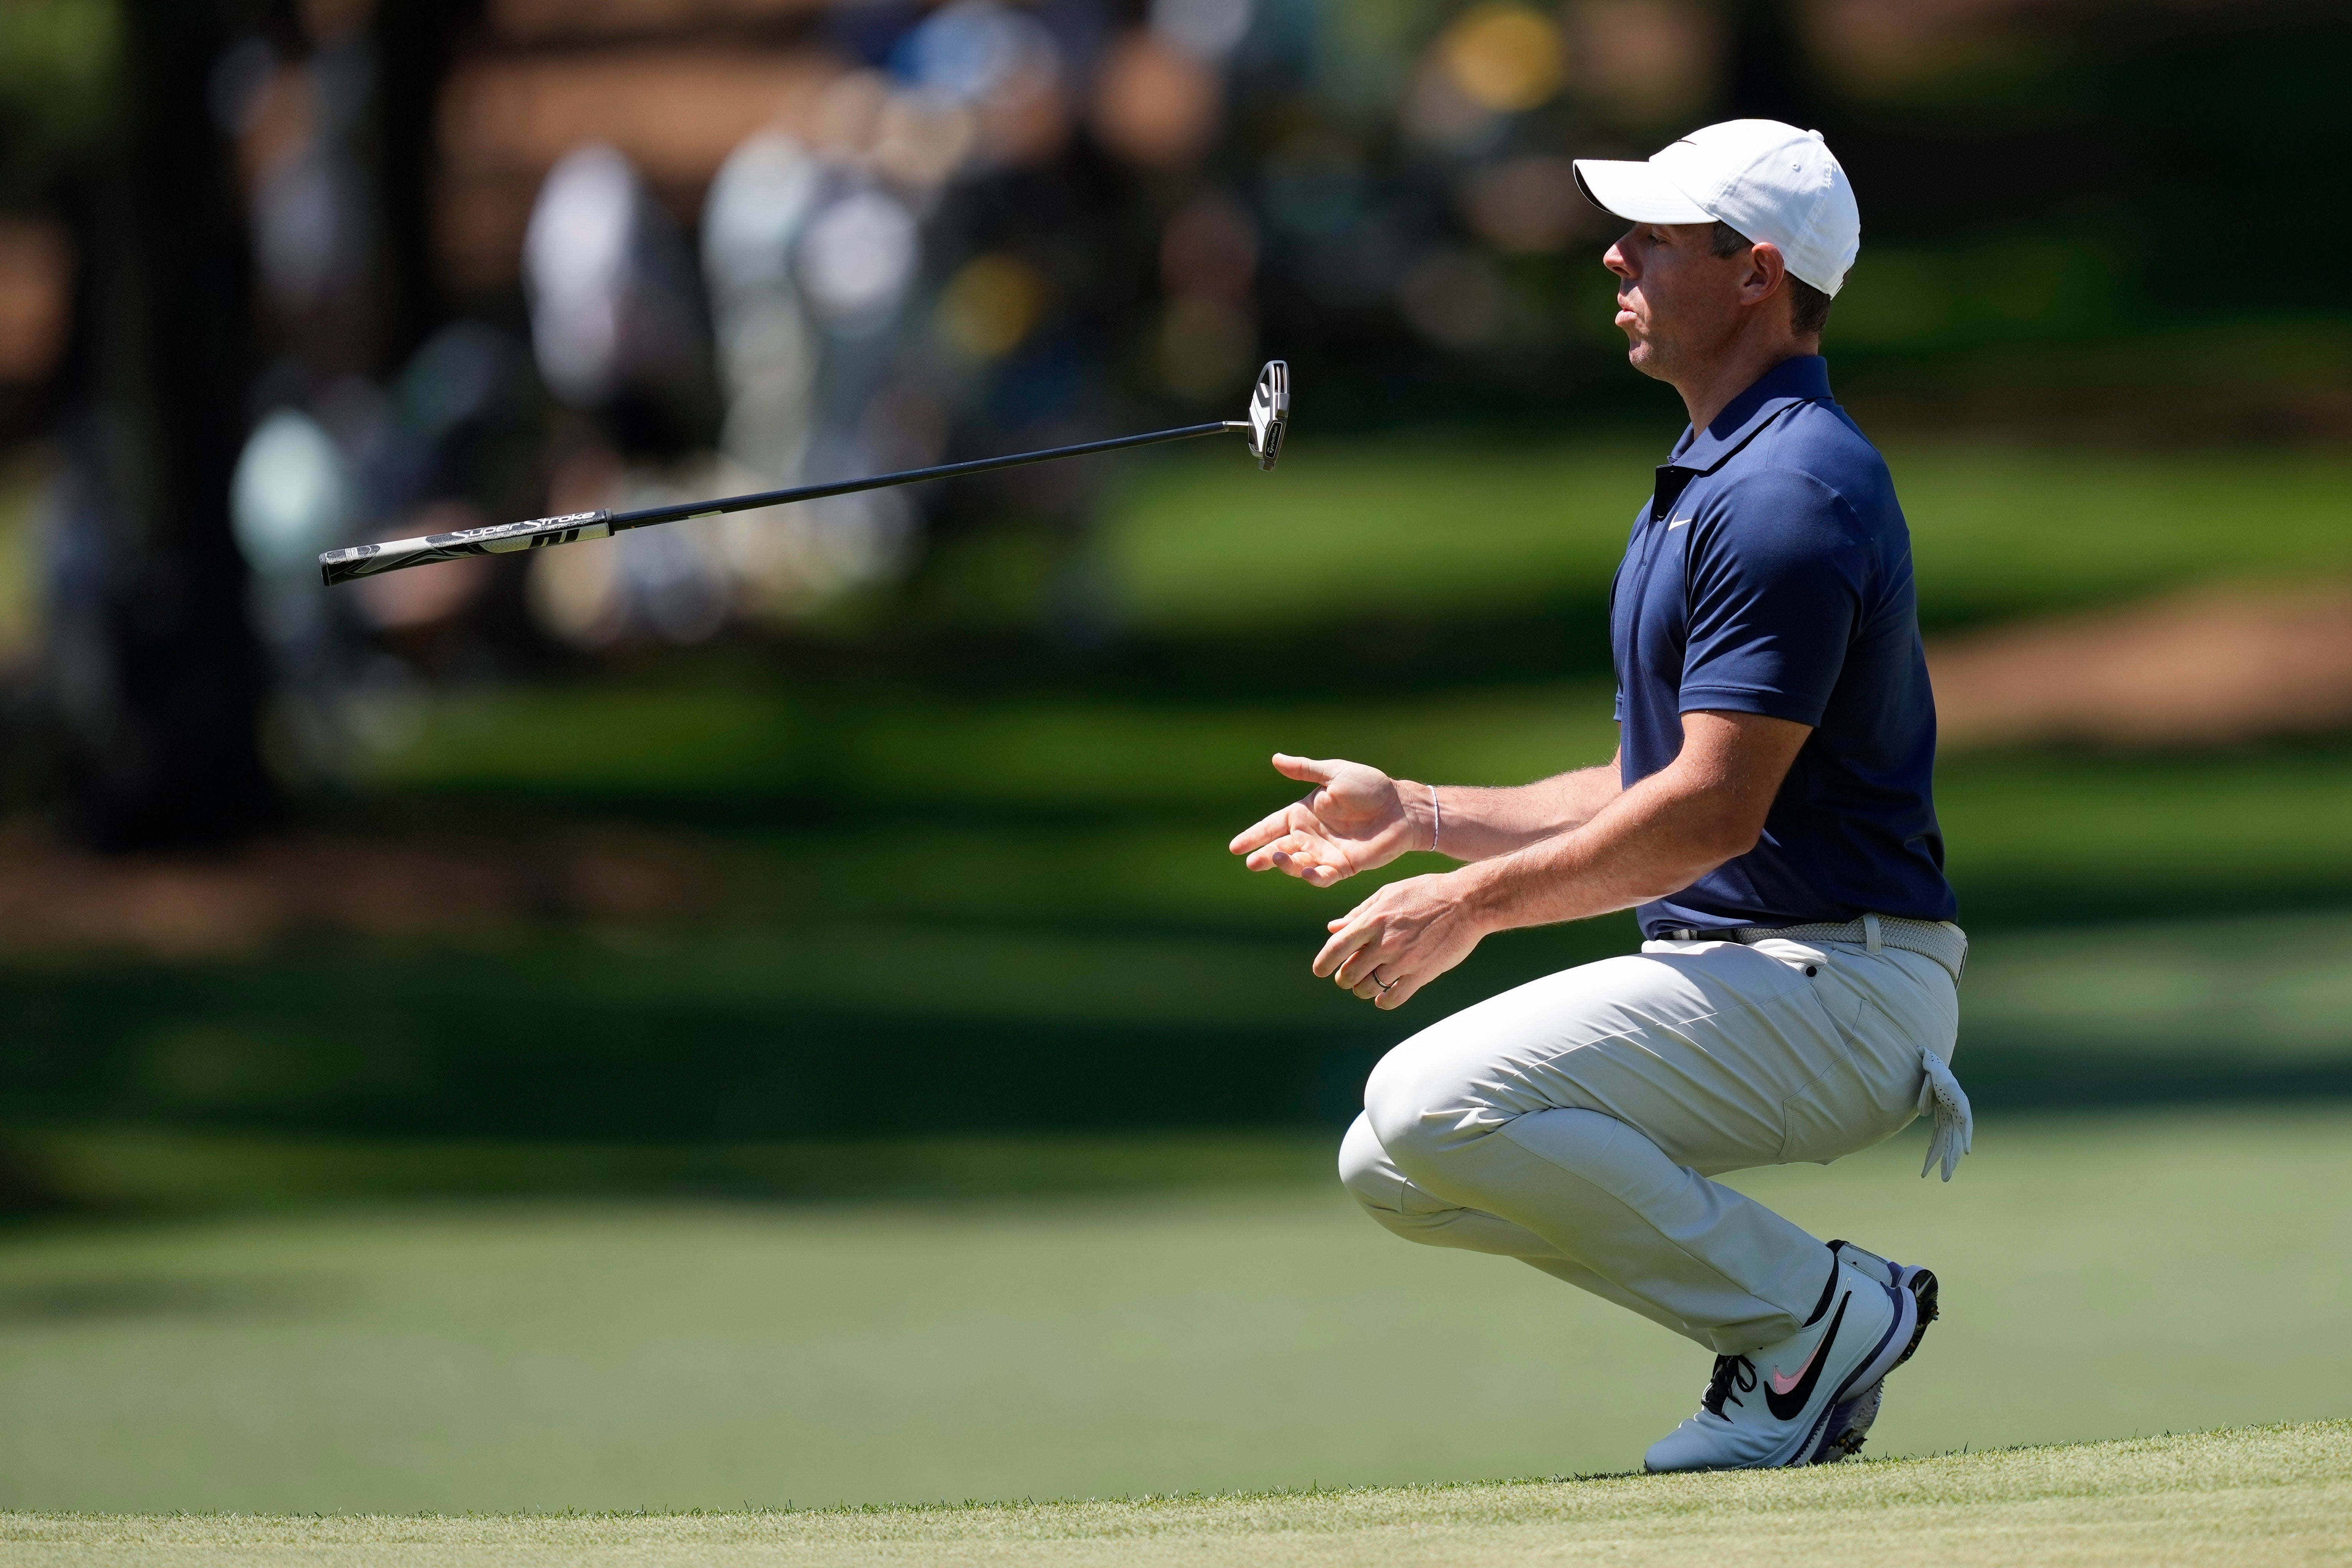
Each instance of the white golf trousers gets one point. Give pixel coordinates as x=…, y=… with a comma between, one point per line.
x=1573, y=1122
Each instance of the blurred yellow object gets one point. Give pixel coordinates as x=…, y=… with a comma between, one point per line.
x=1504, y=57
x=992, y=304
x=25, y=481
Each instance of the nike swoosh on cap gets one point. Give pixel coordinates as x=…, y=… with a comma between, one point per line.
x=1787, y=1398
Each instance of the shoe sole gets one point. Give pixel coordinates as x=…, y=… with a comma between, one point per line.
x=1841, y=1438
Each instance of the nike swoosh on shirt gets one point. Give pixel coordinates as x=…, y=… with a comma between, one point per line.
x=1678, y=522
x=1787, y=1397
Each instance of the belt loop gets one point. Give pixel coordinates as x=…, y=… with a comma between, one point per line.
x=1870, y=932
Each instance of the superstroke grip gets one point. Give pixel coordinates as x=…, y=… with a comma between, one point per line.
x=365, y=561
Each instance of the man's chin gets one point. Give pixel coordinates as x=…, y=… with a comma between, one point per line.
x=1643, y=357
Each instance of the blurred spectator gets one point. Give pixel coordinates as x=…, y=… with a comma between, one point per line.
x=293, y=496
x=1003, y=64
x=35, y=286
x=301, y=121
x=751, y=221
x=453, y=444
x=1156, y=103
x=620, y=335
x=616, y=319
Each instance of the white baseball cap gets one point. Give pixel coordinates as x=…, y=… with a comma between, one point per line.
x=1770, y=180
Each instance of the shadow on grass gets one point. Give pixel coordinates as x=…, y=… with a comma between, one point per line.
x=120, y=1298
x=523, y=1045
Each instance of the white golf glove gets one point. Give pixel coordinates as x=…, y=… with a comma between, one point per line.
x=1956, y=1129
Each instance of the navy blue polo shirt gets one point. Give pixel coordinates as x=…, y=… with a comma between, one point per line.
x=1770, y=573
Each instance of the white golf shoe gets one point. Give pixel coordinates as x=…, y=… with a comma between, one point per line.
x=1849, y=1424
x=1773, y=1406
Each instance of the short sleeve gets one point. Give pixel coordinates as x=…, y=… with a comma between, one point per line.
x=1775, y=575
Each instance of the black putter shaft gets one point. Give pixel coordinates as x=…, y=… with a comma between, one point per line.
x=646, y=516
x=367, y=560
x=1269, y=415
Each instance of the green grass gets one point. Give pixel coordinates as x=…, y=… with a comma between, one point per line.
x=1081, y=810
x=155, y=1174
x=885, y=747
x=2267, y=1495
x=1027, y=907
x=1355, y=529
x=2106, y=1277
x=760, y=1032
x=2258, y=988
x=1092, y=806
x=2043, y=839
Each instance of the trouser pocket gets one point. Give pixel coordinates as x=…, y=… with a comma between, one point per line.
x=1866, y=1096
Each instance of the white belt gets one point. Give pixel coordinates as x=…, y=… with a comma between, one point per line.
x=1948, y=944
x=1938, y=939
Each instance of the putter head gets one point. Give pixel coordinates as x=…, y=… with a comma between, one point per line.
x=1269, y=413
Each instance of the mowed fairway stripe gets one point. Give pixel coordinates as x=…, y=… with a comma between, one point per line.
x=2104, y=1277
x=2268, y=1495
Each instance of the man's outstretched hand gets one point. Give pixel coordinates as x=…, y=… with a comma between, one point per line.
x=1355, y=819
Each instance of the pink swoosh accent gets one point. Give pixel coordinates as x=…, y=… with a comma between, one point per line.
x=1782, y=1385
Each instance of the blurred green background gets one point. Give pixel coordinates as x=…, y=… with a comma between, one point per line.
x=834, y=1058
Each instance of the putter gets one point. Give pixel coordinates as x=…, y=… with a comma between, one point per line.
x=1269, y=416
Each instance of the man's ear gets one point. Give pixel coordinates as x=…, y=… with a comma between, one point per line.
x=1766, y=273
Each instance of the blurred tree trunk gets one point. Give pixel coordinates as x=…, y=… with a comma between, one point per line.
x=156, y=682
x=415, y=43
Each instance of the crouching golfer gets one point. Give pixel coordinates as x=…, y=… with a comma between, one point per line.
x=1768, y=814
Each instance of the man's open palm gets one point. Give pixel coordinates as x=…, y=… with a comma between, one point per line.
x=1353, y=820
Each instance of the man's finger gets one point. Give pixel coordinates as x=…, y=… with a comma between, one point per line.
x=1304, y=861
x=1263, y=831
x=1267, y=856
x=1396, y=996
x=1340, y=924
x=1361, y=965
x=1275, y=857
x=1306, y=769
x=1336, y=951
x=1298, y=854
x=1315, y=861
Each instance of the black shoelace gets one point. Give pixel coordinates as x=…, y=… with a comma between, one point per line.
x=1733, y=1375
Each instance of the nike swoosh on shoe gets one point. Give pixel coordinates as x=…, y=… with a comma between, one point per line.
x=1782, y=1385
x=1873, y=1367
x=1786, y=1402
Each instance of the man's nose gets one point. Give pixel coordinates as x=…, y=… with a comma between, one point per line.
x=1614, y=260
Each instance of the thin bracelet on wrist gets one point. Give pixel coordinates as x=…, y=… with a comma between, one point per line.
x=1437, y=819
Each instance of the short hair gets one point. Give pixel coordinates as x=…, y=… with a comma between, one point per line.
x=1808, y=308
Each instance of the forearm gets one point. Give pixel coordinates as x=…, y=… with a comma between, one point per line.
x=1651, y=841
x=1471, y=822
x=1668, y=831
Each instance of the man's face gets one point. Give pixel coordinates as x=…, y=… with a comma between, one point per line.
x=1677, y=304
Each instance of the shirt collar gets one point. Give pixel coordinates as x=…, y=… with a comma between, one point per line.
x=1804, y=379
